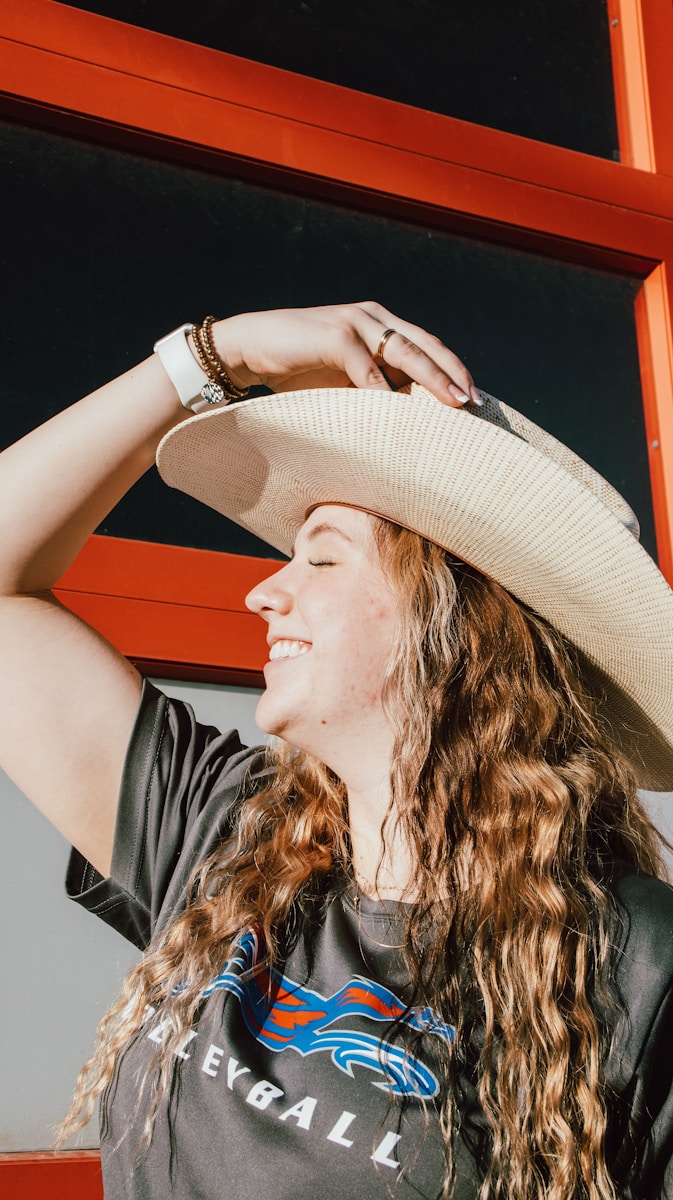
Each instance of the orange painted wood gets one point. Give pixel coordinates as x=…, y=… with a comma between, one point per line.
x=632, y=101
x=119, y=48
x=175, y=574
x=173, y=610
x=324, y=135
x=71, y=1175
x=654, y=309
x=642, y=49
x=656, y=19
x=173, y=633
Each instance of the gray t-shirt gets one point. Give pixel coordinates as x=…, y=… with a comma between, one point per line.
x=297, y=1081
x=293, y=1081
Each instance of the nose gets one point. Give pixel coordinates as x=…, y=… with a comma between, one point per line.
x=270, y=596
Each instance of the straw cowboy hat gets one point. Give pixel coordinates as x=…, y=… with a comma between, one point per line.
x=487, y=484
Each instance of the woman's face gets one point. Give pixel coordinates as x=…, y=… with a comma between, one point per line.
x=332, y=618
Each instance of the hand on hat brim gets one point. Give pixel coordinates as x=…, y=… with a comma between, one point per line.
x=335, y=346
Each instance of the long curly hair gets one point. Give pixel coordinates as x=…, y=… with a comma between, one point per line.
x=516, y=805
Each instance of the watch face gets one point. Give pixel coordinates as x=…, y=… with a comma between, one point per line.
x=212, y=392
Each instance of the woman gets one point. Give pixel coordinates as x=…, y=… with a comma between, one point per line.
x=419, y=948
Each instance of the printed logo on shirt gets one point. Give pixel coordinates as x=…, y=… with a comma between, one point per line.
x=285, y=1015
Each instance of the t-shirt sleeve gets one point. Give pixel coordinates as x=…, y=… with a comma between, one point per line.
x=653, y=1107
x=179, y=787
x=640, y=1067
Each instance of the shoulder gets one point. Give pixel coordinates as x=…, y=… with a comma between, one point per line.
x=641, y=969
x=638, y=1070
x=170, y=746
x=178, y=801
x=644, y=919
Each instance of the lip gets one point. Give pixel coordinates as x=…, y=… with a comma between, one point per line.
x=274, y=666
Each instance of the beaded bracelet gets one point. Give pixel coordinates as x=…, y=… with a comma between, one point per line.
x=221, y=387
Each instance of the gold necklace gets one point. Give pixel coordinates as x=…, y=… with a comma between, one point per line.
x=373, y=890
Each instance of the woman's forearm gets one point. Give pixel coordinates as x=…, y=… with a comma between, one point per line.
x=60, y=481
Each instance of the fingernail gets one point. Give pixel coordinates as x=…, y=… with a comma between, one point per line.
x=458, y=395
x=476, y=397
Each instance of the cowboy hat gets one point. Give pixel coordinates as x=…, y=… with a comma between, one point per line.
x=487, y=484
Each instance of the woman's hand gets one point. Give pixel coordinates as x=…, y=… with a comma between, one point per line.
x=336, y=346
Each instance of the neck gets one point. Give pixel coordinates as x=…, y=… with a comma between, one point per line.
x=381, y=859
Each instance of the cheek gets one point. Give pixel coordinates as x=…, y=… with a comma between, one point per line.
x=377, y=643
x=381, y=620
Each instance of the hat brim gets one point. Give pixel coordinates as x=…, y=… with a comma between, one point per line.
x=476, y=488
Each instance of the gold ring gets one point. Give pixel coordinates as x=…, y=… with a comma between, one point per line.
x=382, y=343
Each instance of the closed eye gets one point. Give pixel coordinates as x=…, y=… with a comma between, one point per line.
x=321, y=562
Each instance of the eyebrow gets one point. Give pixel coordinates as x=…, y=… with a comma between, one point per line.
x=324, y=527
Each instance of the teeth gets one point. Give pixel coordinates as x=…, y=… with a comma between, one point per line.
x=287, y=649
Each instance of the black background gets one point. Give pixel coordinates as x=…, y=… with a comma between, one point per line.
x=105, y=251
x=530, y=67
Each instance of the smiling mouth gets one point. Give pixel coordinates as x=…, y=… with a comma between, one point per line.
x=288, y=649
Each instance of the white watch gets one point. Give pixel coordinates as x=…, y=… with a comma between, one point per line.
x=196, y=391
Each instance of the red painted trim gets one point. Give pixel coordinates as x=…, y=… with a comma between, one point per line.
x=654, y=306
x=175, y=611
x=642, y=45
x=86, y=38
x=632, y=102
x=656, y=24
x=51, y=1176
x=256, y=116
x=175, y=574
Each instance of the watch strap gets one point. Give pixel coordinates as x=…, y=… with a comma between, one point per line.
x=185, y=373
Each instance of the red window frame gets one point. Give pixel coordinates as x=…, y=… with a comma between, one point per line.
x=178, y=611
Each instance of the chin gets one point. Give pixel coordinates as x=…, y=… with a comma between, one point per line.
x=270, y=722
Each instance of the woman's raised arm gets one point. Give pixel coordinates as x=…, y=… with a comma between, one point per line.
x=69, y=699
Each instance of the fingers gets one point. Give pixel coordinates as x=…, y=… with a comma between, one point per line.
x=337, y=346
x=287, y=349
x=361, y=367
x=420, y=356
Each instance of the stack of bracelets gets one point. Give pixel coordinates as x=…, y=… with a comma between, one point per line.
x=220, y=388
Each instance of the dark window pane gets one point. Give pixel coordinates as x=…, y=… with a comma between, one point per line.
x=539, y=70
x=109, y=251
